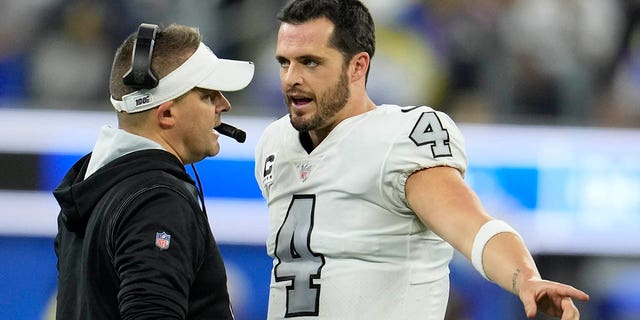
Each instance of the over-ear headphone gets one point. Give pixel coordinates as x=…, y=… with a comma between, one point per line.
x=140, y=75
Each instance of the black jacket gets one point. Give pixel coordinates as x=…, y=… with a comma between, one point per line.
x=133, y=243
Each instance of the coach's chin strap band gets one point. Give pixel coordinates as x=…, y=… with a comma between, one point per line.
x=486, y=232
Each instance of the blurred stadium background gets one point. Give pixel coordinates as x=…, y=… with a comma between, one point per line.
x=547, y=93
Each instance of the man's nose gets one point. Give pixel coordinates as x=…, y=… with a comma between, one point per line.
x=291, y=76
x=222, y=104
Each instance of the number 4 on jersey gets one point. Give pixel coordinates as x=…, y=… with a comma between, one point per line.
x=429, y=130
x=297, y=263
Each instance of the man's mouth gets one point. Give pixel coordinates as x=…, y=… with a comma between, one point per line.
x=300, y=101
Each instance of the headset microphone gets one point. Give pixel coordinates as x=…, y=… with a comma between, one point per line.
x=231, y=131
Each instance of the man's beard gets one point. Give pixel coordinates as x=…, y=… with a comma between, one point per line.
x=326, y=106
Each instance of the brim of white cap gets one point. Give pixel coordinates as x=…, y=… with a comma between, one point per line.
x=203, y=70
x=228, y=75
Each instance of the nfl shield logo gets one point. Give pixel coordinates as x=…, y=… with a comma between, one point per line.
x=305, y=170
x=163, y=240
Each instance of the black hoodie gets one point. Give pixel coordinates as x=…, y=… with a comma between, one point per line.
x=133, y=243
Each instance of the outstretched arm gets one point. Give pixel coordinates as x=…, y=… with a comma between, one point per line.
x=445, y=204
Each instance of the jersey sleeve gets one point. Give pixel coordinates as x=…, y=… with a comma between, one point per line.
x=261, y=162
x=259, y=169
x=426, y=139
x=158, y=245
x=270, y=141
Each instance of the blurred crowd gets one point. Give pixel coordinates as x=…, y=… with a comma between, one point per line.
x=566, y=62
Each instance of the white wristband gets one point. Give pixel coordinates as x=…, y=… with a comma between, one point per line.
x=486, y=232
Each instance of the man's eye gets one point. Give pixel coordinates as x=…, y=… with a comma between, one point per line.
x=284, y=63
x=310, y=63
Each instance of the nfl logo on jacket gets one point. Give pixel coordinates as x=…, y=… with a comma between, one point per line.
x=163, y=240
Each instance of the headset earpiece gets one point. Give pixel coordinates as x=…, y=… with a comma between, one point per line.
x=141, y=76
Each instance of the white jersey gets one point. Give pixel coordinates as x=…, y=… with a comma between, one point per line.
x=344, y=241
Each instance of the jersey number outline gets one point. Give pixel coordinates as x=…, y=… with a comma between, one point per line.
x=429, y=130
x=297, y=263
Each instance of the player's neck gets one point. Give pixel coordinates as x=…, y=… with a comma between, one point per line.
x=350, y=110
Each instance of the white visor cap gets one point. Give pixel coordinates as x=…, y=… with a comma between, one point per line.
x=203, y=70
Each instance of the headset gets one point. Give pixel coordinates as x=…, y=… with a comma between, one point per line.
x=142, y=76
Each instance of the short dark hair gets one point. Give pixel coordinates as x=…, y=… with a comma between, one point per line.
x=354, y=30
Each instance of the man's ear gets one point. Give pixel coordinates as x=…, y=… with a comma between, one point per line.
x=165, y=115
x=359, y=65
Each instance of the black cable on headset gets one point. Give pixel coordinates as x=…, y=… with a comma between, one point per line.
x=200, y=190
